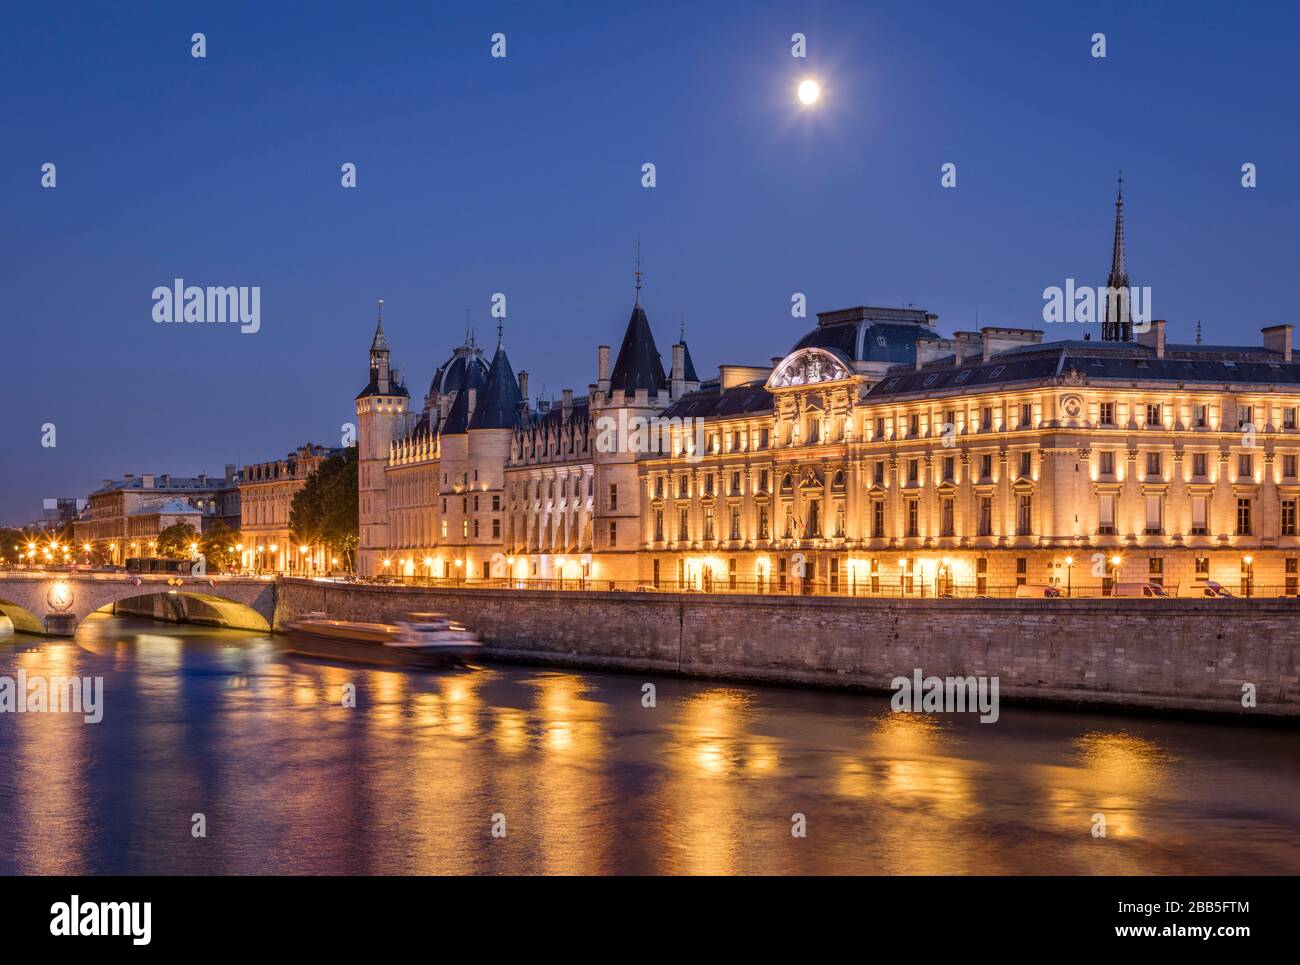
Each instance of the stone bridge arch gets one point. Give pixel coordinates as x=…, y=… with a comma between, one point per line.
x=57, y=603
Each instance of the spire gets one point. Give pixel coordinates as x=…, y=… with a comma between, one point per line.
x=638, y=365
x=379, y=343
x=1198, y=331
x=1116, y=325
x=638, y=271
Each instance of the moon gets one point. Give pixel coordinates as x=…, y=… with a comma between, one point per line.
x=809, y=91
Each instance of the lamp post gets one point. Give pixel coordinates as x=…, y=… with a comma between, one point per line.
x=1069, y=576
x=1114, y=586
x=1248, y=573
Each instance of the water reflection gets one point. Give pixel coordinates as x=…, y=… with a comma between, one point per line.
x=299, y=766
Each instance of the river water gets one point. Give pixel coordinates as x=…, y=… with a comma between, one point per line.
x=585, y=779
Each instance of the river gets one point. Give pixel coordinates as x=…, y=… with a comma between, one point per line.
x=223, y=729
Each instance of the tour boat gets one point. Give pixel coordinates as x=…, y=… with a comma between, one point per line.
x=422, y=640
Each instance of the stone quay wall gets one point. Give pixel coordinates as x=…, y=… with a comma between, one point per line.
x=1170, y=655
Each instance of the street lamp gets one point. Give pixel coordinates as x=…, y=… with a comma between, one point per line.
x=1069, y=576
x=1115, y=562
x=1247, y=568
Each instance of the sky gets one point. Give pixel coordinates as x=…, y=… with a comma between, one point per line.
x=523, y=175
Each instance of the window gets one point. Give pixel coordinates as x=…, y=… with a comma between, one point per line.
x=1200, y=515
x=946, y=525
x=878, y=474
x=476, y=529
x=914, y=425
x=1292, y=571
x=708, y=522
x=655, y=578
x=1106, y=463
x=839, y=520
x=1107, y=414
x=683, y=487
x=1245, y=416
x=1153, y=414
x=982, y=576
x=735, y=441
x=659, y=525
x=683, y=526
x=1198, y=464
x=913, y=511
x=878, y=518
x=762, y=522
x=814, y=527
x=1106, y=514
x=659, y=487
x=613, y=496
x=1243, y=516
x=880, y=427
x=986, y=466
x=735, y=524
x=986, y=418
x=1022, y=570
x=1026, y=415
x=1288, y=466
x=1202, y=567
x=789, y=524
x=1156, y=570
x=814, y=431
x=496, y=529
x=913, y=471
x=1026, y=463
x=613, y=532
x=708, y=485
x=1288, y=517
x=1024, y=515
x=1155, y=514
x=1288, y=417
x=1153, y=464
x=443, y=528
x=496, y=504
x=1245, y=466
x=464, y=528
x=1200, y=415
x=762, y=438
x=985, y=516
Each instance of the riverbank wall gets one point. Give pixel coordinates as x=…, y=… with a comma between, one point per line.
x=1201, y=656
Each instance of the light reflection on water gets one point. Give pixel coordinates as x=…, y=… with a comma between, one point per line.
x=589, y=781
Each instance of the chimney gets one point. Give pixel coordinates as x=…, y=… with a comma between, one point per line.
x=147, y=480
x=203, y=478
x=678, y=380
x=230, y=471
x=1154, y=337
x=165, y=479
x=930, y=348
x=996, y=339
x=107, y=483
x=567, y=395
x=523, y=385
x=1277, y=338
x=602, y=367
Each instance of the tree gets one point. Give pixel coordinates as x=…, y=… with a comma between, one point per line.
x=325, y=509
x=218, y=545
x=175, y=540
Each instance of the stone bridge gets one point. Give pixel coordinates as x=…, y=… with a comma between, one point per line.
x=56, y=603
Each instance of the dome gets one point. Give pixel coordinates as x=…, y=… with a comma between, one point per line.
x=871, y=334
x=452, y=374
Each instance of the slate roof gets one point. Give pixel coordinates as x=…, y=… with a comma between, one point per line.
x=710, y=402
x=688, y=368
x=870, y=334
x=458, y=416
x=638, y=365
x=497, y=406
x=1095, y=361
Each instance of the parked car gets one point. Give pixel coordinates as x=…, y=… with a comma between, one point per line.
x=1139, y=590
x=1209, y=590
x=1037, y=591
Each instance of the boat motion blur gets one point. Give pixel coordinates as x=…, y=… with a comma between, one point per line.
x=419, y=640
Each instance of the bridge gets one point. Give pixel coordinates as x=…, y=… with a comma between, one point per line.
x=55, y=603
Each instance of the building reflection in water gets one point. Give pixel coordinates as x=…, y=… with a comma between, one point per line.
x=589, y=780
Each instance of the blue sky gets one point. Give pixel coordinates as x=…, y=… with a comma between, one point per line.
x=479, y=175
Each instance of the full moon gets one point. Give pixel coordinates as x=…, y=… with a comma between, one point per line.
x=809, y=91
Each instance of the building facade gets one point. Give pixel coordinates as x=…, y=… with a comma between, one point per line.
x=124, y=517
x=266, y=491
x=874, y=457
